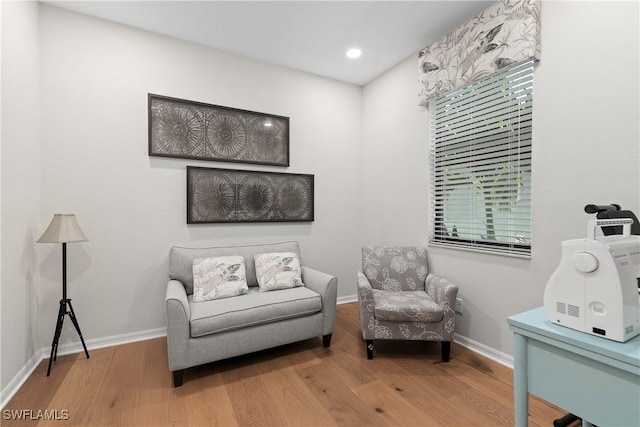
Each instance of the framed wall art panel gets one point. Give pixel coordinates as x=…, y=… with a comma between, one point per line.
x=194, y=130
x=224, y=195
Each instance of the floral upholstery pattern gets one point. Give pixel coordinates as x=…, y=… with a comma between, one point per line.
x=395, y=268
x=407, y=306
x=392, y=308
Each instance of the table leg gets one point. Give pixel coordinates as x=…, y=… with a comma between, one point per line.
x=520, y=381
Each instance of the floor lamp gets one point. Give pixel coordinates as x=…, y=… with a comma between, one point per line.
x=63, y=229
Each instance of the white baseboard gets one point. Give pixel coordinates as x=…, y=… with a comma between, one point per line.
x=94, y=344
x=348, y=299
x=486, y=351
x=14, y=385
x=71, y=348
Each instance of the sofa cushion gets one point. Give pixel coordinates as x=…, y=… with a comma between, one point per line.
x=181, y=259
x=218, y=277
x=406, y=306
x=254, y=308
x=280, y=270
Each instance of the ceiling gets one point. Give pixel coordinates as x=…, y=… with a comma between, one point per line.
x=311, y=36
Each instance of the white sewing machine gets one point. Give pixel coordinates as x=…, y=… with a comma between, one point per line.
x=595, y=287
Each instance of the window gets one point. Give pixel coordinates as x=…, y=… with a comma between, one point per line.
x=480, y=155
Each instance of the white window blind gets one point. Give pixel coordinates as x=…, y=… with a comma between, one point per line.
x=480, y=155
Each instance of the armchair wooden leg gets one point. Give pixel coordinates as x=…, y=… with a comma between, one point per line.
x=446, y=350
x=178, y=377
x=326, y=340
x=369, y=349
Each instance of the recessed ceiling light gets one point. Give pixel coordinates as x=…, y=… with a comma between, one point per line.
x=354, y=53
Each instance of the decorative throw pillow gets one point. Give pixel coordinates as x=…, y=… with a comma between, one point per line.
x=219, y=277
x=278, y=271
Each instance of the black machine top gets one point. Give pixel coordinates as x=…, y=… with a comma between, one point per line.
x=613, y=211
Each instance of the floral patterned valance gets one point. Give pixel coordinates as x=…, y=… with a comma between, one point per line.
x=506, y=32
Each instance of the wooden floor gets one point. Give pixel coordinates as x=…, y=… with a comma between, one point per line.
x=302, y=384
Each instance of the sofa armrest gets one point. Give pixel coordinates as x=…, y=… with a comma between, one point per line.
x=178, y=315
x=366, y=307
x=444, y=294
x=327, y=286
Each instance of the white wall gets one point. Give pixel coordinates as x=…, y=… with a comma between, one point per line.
x=586, y=150
x=95, y=80
x=20, y=181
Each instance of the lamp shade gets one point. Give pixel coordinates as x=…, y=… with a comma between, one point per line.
x=63, y=229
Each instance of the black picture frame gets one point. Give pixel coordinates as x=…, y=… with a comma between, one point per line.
x=184, y=129
x=228, y=195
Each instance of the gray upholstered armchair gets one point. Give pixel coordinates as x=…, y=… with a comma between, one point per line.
x=399, y=300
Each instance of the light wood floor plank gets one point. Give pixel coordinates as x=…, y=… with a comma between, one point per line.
x=210, y=405
x=332, y=388
x=289, y=393
x=483, y=409
x=301, y=384
x=395, y=410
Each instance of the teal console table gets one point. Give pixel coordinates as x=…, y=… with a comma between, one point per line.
x=594, y=378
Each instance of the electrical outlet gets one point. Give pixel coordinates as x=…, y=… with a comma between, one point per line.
x=458, y=308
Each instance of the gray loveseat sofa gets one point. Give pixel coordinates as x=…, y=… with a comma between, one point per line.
x=204, y=332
